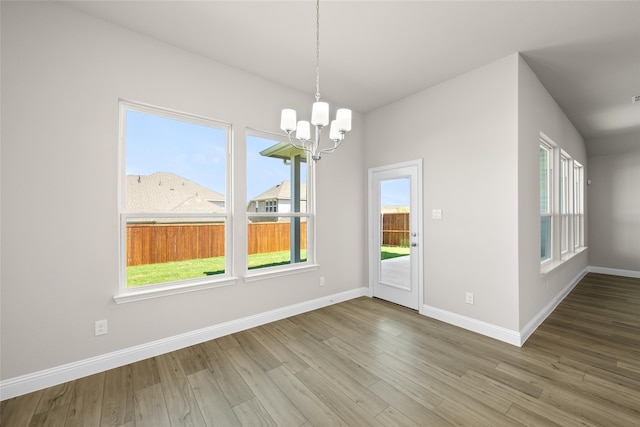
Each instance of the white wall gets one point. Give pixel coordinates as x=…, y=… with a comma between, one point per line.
x=614, y=203
x=466, y=131
x=479, y=136
x=62, y=75
x=538, y=112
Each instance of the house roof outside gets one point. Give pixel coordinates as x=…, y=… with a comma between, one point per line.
x=281, y=191
x=167, y=192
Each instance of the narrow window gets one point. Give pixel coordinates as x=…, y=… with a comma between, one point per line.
x=546, y=213
x=276, y=181
x=565, y=208
x=174, y=208
x=578, y=205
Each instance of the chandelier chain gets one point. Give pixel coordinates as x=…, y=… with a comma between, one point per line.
x=317, y=50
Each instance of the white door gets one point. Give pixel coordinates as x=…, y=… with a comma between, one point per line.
x=395, y=233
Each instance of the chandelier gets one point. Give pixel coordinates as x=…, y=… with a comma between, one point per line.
x=319, y=117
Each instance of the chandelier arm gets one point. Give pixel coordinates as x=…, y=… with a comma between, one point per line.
x=302, y=147
x=331, y=149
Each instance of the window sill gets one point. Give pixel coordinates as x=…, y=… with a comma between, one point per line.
x=253, y=276
x=149, y=292
x=549, y=266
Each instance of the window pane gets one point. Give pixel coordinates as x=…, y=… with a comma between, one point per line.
x=269, y=175
x=175, y=165
x=161, y=250
x=578, y=204
x=545, y=238
x=564, y=185
x=544, y=180
x=270, y=241
x=276, y=184
x=564, y=233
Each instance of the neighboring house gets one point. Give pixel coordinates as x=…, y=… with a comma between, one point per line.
x=277, y=199
x=167, y=192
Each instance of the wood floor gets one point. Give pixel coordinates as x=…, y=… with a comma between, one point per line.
x=366, y=362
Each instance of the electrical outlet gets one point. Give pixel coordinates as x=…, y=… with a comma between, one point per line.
x=101, y=327
x=547, y=285
x=469, y=298
x=322, y=281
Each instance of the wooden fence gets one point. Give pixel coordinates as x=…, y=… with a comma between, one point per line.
x=395, y=229
x=159, y=243
x=266, y=237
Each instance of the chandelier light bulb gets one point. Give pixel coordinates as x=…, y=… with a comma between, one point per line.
x=334, y=134
x=343, y=119
x=288, y=120
x=303, y=131
x=320, y=114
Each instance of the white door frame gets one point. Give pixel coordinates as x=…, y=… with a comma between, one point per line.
x=417, y=254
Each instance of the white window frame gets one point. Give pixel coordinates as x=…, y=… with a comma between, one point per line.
x=271, y=206
x=578, y=206
x=565, y=205
x=550, y=147
x=281, y=270
x=565, y=209
x=125, y=294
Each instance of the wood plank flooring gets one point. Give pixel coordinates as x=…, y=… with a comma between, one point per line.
x=367, y=362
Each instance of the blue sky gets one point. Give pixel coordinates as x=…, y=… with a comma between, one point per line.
x=265, y=172
x=158, y=144
x=197, y=153
x=395, y=192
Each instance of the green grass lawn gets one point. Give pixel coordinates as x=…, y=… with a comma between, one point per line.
x=387, y=252
x=140, y=275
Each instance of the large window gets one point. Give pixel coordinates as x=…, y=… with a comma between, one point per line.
x=174, y=207
x=546, y=199
x=561, y=205
x=278, y=221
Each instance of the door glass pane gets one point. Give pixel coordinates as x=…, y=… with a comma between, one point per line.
x=394, y=232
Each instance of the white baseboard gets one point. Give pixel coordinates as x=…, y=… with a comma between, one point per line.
x=50, y=377
x=508, y=336
x=72, y=371
x=615, y=272
x=537, y=320
x=497, y=332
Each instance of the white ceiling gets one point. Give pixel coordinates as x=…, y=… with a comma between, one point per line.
x=586, y=53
